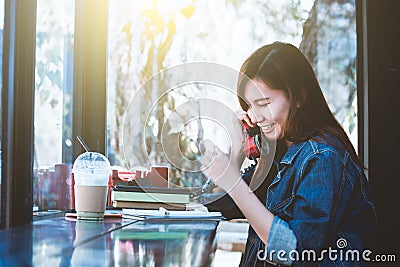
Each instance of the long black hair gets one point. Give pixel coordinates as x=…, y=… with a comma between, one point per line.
x=283, y=67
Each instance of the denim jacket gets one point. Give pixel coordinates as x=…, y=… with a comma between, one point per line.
x=323, y=207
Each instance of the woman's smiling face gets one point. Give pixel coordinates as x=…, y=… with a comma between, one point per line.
x=268, y=108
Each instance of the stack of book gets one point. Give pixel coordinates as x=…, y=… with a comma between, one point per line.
x=137, y=197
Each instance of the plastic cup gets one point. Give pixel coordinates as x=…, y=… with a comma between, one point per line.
x=91, y=175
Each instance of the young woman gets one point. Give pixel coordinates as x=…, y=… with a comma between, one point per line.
x=317, y=208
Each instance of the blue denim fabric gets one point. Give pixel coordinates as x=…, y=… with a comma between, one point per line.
x=324, y=198
x=281, y=241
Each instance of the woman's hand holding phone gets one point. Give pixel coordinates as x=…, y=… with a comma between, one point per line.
x=244, y=116
x=222, y=168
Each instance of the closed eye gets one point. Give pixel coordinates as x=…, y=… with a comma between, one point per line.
x=264, y=104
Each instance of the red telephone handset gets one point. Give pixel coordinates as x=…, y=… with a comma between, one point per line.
x=252, y=141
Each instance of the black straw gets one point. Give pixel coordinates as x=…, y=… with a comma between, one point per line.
x=83, y=143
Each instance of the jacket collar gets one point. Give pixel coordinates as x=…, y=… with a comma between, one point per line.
x=291, y=153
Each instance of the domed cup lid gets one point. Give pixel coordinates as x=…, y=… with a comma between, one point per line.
x=91, y=168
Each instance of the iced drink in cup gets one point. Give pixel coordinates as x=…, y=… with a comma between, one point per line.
x=91, y=174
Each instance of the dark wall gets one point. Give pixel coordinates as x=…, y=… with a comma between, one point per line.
x=383, y=50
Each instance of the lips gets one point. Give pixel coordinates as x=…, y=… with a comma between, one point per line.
x=267, y=128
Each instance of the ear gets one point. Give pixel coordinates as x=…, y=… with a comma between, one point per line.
x=302, y=96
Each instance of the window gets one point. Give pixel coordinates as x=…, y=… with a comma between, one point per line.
x=146, y=38
x=53, y=104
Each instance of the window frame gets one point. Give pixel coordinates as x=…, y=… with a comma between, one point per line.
x=362, y=81
x=90, y=76
x=17, y=117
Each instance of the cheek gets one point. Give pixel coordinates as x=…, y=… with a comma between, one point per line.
x=283, y=117
x=281, y=114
